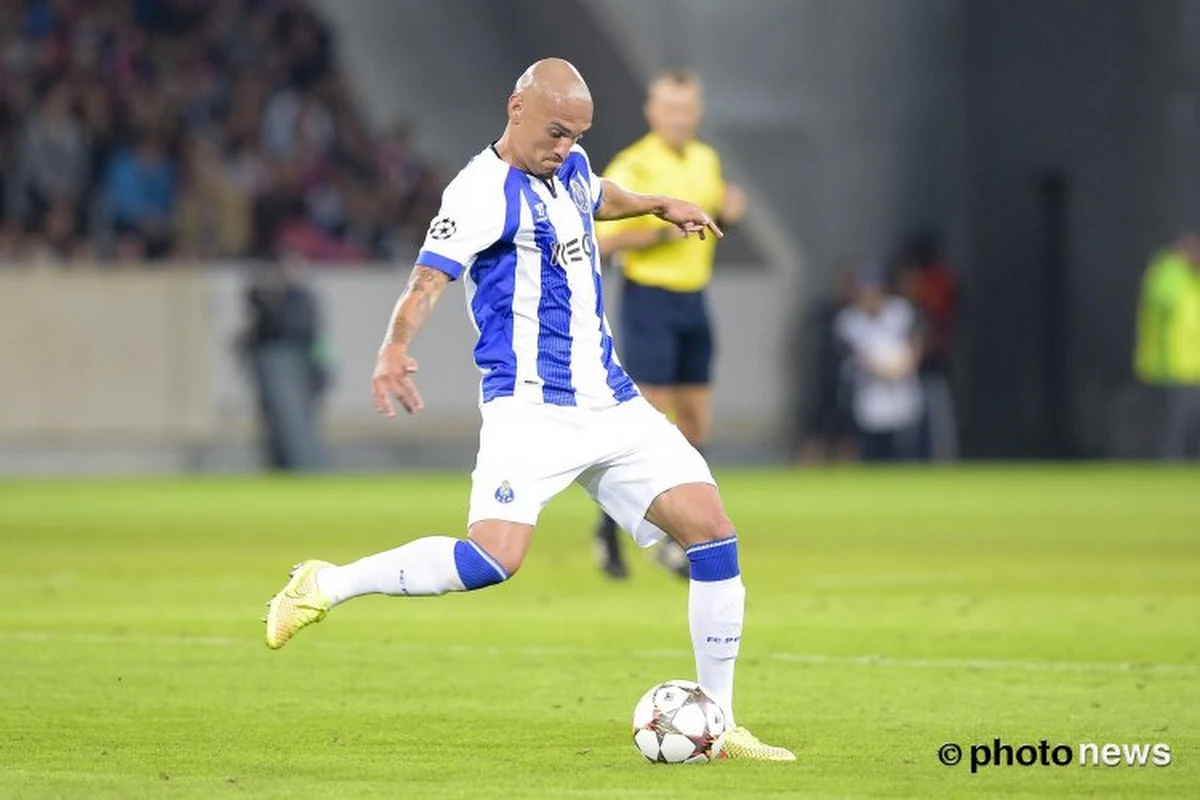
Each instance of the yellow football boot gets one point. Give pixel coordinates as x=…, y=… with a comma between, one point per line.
x=298, y=605
x=741, y=743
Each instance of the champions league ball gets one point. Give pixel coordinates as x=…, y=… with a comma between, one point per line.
x=678, y=723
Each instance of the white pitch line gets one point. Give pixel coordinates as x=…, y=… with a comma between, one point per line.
x=107, y=639
x=536, y=651
x=984, y=664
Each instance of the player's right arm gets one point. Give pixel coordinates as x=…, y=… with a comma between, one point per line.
x=637, y=233
x=637, y=239
x=618, y=203
x=394, y=367
x=471, y=219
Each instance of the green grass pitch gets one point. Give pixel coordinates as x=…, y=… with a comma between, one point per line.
x=889, y=612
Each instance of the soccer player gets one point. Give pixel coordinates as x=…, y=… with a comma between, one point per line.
x=516, y=224
x=666, y=336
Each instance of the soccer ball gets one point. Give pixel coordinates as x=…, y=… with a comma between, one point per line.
x=676, y=722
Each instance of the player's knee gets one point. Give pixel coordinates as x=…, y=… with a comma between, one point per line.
x=709, y=521
x=692, y=513
x=711, y=525
x=707, y=525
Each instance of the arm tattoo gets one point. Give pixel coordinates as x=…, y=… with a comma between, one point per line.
x=413, y=309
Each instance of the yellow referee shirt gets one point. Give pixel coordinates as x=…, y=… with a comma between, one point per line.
x=650, y=166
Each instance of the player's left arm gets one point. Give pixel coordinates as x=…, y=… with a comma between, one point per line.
x=617, y=202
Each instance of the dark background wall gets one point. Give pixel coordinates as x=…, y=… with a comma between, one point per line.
x=1080, y=126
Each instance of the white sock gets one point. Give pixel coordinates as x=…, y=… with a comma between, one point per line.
x=715, y=613
x=421, y=567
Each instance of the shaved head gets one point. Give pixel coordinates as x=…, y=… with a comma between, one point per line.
x=554, y=79
x=549, y=109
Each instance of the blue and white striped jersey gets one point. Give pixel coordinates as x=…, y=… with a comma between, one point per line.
x=528, y=254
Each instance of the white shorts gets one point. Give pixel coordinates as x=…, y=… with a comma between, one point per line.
x=623, y=456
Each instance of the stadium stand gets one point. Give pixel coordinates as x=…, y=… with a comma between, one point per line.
x=183, y=130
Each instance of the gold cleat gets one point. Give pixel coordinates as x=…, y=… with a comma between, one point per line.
x=741, y=743
x=298, y=605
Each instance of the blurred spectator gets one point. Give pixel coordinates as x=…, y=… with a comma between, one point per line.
x=879, y=332
x=297, y=123
x=1168, y=342
x=213, y=219
x=52, y=162
x=140, y=189
x=284, y=348
x=10, y=240
x=103, y=131
x=59, y=242
x=926, y=281
x=829, y=431
x=281, y=201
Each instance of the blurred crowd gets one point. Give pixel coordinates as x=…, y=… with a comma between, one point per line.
x=881, y=348
x=164, y=130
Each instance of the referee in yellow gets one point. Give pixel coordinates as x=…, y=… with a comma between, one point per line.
x=666, y=339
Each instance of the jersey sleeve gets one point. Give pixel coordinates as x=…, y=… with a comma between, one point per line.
x=469, y=221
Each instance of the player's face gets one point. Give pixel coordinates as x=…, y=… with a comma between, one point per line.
x=549, y=130
x=673, y=111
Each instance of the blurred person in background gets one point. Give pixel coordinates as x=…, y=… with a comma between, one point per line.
x=828, y=427
x=141, y=191
x=666, y=337
x=879, y=331
x=52, y=163
x=926, y=281
x=287, y=358
x=60, y=242
x=213, y=216
x=1168, y=343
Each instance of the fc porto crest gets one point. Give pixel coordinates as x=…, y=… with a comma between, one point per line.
x=504, y=493
x=580, y=194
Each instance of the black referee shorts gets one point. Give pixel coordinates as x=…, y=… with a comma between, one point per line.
x=666, y=337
